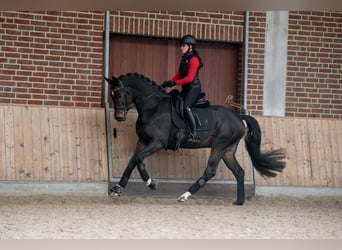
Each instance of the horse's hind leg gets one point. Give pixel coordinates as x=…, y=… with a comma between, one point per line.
x=231, y=162
x=209, y=172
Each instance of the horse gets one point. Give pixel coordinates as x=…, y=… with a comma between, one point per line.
x=156, y=130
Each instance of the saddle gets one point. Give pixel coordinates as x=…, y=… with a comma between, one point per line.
x=201, y=110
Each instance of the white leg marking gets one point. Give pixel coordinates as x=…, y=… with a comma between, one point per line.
x=184, y=196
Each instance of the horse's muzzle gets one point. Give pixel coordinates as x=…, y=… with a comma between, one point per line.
x=120, y=116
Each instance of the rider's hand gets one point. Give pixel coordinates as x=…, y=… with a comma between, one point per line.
x=168, y=84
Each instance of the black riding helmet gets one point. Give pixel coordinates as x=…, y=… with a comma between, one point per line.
x=189, y=39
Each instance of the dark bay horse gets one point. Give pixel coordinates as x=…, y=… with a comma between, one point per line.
x=156, y=130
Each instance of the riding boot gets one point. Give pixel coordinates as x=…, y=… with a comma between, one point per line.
x=192, y=122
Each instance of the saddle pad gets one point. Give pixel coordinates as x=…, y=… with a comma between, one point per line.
x=205, y=117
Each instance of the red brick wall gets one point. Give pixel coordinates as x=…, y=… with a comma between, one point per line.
x=220, y=26
x=51, y=58
x=314, y=71
x=55, y=58
x=256, y=50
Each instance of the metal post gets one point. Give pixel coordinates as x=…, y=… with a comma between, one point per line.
x=245, y=61
x=245, y=83
x=105, y=87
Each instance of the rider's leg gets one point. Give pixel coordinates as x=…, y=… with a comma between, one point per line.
x=192, y=122
x=190, y=97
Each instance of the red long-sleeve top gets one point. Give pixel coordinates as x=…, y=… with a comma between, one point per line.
x=194, y=64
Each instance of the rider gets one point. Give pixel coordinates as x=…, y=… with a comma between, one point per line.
x=187, y=76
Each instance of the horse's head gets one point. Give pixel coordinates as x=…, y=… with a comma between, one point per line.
x=121, y=98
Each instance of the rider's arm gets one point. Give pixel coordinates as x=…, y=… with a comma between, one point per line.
x=176, y=77
x=193, y=66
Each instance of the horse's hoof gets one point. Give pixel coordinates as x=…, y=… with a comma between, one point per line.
x=238, y=203
x=154, y=184
x=116, y=191
x=181, y=199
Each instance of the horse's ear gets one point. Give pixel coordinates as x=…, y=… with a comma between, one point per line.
x=112, y=81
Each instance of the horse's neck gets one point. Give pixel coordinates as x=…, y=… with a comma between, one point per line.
x=147, y=98
x=144, y=91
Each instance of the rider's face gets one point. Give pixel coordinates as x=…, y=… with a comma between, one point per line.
x=184, y=48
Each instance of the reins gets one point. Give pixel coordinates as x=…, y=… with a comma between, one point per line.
x=147, y=97
x=135, y=101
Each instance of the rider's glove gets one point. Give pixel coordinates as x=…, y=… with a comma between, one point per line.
x=168, y=84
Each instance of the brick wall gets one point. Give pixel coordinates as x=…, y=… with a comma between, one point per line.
x=55, y=58
x=256, y=50
x=314, y=71
x=220, y=26
x=51, y=58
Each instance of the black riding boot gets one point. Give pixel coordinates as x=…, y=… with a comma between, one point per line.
x=190, y=116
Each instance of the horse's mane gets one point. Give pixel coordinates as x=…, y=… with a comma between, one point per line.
x=146, y=79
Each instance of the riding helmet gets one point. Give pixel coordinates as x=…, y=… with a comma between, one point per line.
x=189, y=39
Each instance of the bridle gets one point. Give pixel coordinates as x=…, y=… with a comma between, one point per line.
x=121, y=90
x=123, y=108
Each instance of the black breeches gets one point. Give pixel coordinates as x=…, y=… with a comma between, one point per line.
x=190, y=96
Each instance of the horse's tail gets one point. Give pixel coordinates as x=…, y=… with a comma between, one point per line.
x=266, y=163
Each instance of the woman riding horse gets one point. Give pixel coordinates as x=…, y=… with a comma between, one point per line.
x=188, y=77
x=156, y=131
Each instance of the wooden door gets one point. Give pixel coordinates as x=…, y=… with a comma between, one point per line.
x=220, y=71
x=159, y=60
x=154, y=58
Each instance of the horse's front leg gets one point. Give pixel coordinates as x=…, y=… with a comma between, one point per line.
x=117, y=189
x=151, y=183
x=141, y=152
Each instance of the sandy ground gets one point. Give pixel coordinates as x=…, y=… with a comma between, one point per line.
x=129, y=217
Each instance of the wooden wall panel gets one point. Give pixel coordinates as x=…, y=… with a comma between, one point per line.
x=52, y=144
x=9, y=145
x=68, y=144
x=313, y=150
x=3, y=172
